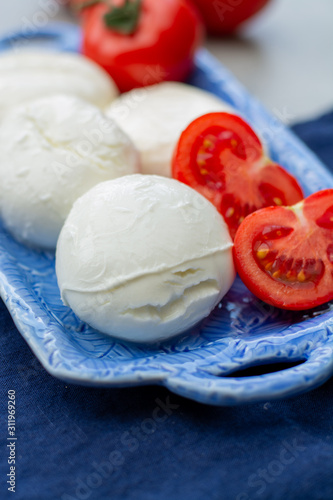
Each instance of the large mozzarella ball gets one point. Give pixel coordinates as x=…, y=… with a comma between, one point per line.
x=154, y=117
x=52, y=151
x=29, y=75
x=143, y=258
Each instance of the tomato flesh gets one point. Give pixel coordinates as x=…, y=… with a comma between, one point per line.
x=274, y=255
x=284, y=255
x=220, y=156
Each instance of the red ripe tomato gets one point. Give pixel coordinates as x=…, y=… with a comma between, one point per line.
x=220, y=156
x=143, y=42
x=284, y=255
x=224, y=16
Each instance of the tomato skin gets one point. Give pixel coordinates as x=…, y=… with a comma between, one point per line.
x=162, y=47
x=307, y=238
x=221, y=157
x=224, y=17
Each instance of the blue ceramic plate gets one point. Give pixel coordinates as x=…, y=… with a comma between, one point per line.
x=205, y=364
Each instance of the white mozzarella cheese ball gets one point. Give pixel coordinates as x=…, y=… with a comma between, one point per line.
x=52, y=151
x=143, y=258
x=154, y=117
x=25, y=76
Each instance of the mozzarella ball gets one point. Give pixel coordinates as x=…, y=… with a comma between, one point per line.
x=25, y=76
x=52, y=151
x=143, y=258
x=154, y=117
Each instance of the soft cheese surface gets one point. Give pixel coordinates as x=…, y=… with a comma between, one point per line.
x=143, y=258
x=29, y=75
x=52, y=151
x=154, y=118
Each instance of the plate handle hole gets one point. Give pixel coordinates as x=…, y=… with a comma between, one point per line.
x=268, y=367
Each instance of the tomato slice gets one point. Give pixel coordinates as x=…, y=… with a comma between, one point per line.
x=220, y=156
x=284, y=255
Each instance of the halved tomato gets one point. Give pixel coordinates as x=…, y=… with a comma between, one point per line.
x=220, y=156
x=284, y=255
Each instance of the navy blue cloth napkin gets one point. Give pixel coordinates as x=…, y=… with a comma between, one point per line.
x=145, y=443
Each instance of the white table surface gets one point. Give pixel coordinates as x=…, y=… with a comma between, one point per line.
x=284, y=56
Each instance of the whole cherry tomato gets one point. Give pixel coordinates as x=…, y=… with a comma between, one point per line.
x=224, y=16
x=143, y=42
x=284, y=255
x=220, y=156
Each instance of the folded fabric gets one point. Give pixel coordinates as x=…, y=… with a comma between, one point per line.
x=318, y=136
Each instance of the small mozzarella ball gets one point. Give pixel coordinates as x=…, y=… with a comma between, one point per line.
x=25, y=76
x=154, y=118
x=52, y=151
x=143, y=258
